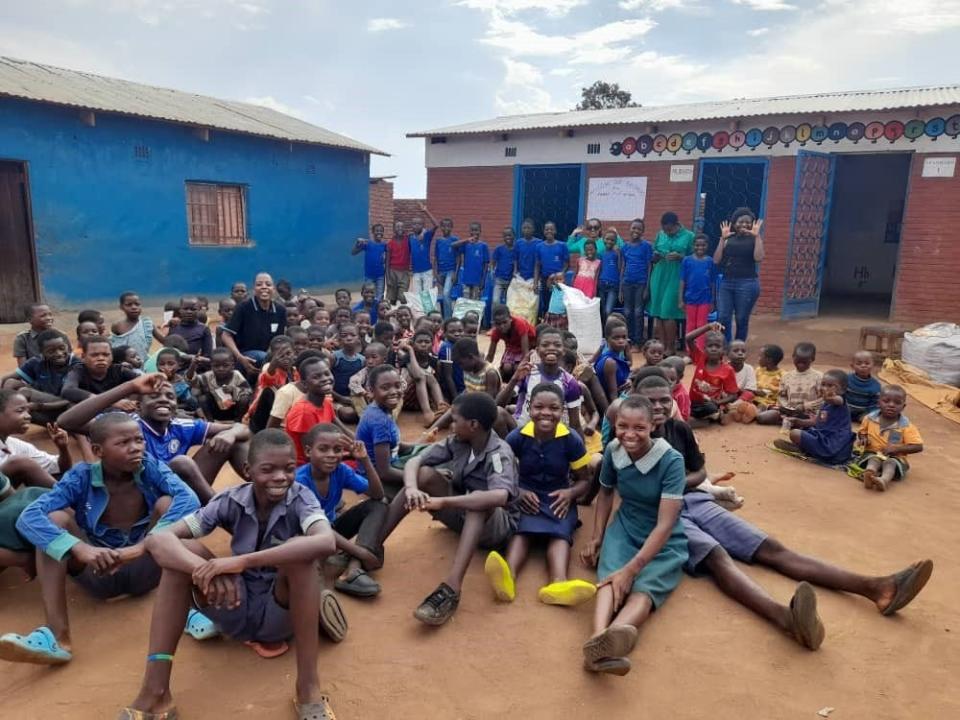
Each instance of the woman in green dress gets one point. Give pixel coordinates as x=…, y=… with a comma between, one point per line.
x=674, y=242
x=641, y=554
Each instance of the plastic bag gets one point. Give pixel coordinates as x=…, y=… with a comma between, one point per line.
x=583, y=318
x=522, y=299
x=935, y=349
x=464, y=305
x=421, y=303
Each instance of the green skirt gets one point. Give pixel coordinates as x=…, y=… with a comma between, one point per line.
x=10, y=510
x=664, y=289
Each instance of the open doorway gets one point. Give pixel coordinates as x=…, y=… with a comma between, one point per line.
x=866, y=214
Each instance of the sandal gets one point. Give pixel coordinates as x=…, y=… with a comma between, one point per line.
x=358, y=584
x=500, y=577
x=807, y=628
x=267, y=652
x=610, y=666
x=614, y=642
x=199, y=626
x=568, y=593
x=332, y=620
x=909, y=583
x=40, y=647
x=133, y=714
x=315, y=711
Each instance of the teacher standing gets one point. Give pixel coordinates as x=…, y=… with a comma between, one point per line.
x=674, y=242
x=739, y=251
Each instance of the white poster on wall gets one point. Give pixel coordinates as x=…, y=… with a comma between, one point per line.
x=939, y=166
x=617, y=198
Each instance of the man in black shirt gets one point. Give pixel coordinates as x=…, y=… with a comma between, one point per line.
x=715, y=536
x=255, y=322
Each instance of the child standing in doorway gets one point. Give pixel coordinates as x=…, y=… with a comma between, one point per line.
x=476, y=258
x=504, y=265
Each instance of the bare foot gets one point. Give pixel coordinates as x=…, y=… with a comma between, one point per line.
x=722, y=478
x=869, y=479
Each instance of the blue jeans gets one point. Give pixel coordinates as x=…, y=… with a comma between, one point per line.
x=633, y=308
x=609, y=294
x=378, y=283
x=445, y=282
x=737, y=297
x=500, y=286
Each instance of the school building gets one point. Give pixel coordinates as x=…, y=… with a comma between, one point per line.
x=859, y=191
x=108, y=185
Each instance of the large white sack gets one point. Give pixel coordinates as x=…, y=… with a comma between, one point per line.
x=935, y=349
x=583, y=319
x=522, y=300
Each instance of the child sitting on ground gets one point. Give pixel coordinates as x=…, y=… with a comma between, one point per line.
x=423, y=392
x=128, y=357
x=590, y=416
x=196, y=333
x=316, y=406
x=26, y=344
x=85, y=329
x=378, y=430
x=826, y=438
x=327, y=478
x=374, y=354
x=262, y=596
x=364, y=327
x=768, y=374
x=714, y=384
x=742, y=409
x=96, y=374
x=40, y=379
x=471, y=324
x=473, y=497
x=223, y=393
x=276, y=373
x=518, y=337
x=678, y=391
x=863, y=389
x=347, y=362
x=168, y=364
x=653, y=352
x=547, y=454
x=14, y=550
x=299, y=337
x=134, y=330
x=286, y=396
x=225, y=309
x=613, y=365
x=451, y=376
x=23, y=462
x=885, y=438
x=115, y=503
x=799, y=396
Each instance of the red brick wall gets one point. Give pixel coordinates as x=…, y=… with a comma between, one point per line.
x=662, y=195
x=776, y=233
x=466, y=194
x=928, y=271
x=405, y=209
x=381, y=204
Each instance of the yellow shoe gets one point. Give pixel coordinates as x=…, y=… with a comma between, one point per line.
x=568, y=592
x=500, y=577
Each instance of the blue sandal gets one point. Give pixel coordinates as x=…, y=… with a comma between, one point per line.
x=39, y=647
x=199, y=626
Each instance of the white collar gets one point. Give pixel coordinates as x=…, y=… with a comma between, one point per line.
x=622, y=459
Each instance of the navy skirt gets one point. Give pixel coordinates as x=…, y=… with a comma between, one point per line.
x=547, y=524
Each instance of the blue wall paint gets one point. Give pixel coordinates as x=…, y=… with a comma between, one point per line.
x=106, y=221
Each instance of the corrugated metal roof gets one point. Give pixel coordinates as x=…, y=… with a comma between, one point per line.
x=873, y=100
x=43, y=83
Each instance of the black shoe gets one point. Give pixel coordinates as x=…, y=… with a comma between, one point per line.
x=439, y=606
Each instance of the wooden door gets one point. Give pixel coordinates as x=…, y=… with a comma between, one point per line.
x=18, y=277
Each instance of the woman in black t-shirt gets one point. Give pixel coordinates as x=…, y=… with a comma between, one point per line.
x=738, y=253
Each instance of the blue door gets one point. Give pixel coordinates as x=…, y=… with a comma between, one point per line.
x=549, y=192
x=812, y=194
x=724, y=186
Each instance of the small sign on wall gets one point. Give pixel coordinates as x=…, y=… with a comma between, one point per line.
x=681, y=173
x=617, y=198
x=939, y=166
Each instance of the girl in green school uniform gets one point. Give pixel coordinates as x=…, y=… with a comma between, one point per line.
x=641, y=554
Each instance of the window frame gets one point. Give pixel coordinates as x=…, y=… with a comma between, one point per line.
x=210, y=232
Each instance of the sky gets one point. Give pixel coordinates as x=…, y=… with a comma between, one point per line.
x=376, y=70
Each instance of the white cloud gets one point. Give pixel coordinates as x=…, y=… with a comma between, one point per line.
x=557, y=8
x=652, y=5
x=268, y=101
x=757, y=32
x=561, y=72
x=522, y=90
x=375, y=25
x=766, y=4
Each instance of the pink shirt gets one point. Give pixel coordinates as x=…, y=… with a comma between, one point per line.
x=586, y=278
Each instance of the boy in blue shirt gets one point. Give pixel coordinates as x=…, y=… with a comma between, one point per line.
x=553, y=257
x=637, y=254
x=420, y=260
x=527, y=251
x=863, y=389
x=168, y=438
x=608, y=282
x=40, y=379
x=476, y=258
x=368, y=302
x=504, y=266
x=447, y=254
x=695, y=295
x=374, y=258
x=116, y=502
x=327, y=478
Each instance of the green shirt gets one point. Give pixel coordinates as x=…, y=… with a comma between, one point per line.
x=575, y=244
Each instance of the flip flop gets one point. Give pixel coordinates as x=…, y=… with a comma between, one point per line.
x=501, y=579
x=267, y=652
x=567, y=593
x=358, y=584
x=199, y=626
x=332, y=620
x=807, y=627
x=909, y=583
x=40, y=647
x=614, y=642
x=315, y=711
x=610, y=666
x=132, y=714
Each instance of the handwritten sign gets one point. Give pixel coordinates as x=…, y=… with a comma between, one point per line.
x=620, y=198
x=681, y=173
x=939, y=166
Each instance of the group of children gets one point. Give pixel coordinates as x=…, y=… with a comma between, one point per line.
x=530, y=441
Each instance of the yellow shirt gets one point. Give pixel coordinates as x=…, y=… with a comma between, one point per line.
x=876, y=433
x=768, y=385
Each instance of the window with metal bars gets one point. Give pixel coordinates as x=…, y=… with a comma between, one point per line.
x=216, y=214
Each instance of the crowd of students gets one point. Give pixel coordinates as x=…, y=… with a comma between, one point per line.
x=303, y=399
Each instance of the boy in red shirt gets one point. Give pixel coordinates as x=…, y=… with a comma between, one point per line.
x=398, y=265
x=315, y=407
x=714, y=384
x=518, y=337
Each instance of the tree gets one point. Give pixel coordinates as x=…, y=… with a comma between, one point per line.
x=601, y=96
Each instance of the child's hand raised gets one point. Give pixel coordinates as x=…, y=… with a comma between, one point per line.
x=725, y=230
x=358, y=450
x=58, y=435
x=715, y=327
x=524, y=368
x=755, y=227
x=148, y=384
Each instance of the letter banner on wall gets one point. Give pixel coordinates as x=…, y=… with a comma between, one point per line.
x=891, y=131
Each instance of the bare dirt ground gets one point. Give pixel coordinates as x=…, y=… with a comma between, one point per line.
x=701, y=655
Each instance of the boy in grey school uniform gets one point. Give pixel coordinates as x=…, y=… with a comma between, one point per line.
x=469, y=483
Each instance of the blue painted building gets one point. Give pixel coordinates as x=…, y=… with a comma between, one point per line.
x=107, y=185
